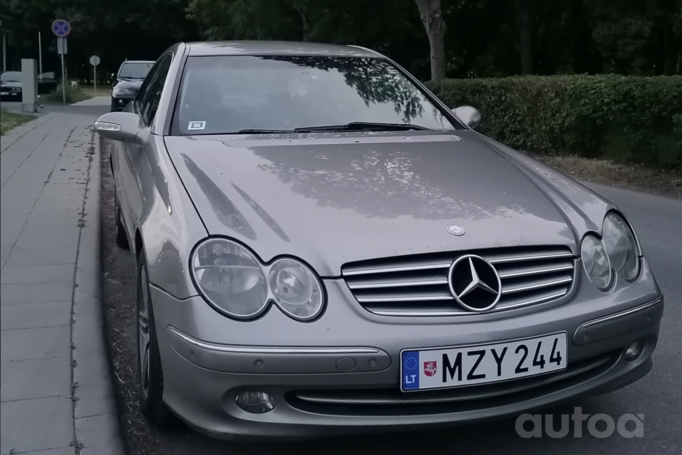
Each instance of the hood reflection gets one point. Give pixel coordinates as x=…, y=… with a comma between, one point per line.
x=332, y=200
x=226, y=211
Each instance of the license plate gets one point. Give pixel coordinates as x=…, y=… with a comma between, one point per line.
x=442, y=368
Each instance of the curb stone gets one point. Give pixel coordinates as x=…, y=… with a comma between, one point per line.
x=97, y=430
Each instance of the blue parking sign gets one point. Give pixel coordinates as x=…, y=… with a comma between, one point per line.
x=61, y=28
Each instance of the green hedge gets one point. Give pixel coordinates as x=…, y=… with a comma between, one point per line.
x=623, y=118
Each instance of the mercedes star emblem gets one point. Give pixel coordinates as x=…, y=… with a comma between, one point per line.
x=455, y=229
x=475, y=283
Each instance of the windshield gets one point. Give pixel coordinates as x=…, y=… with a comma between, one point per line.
x=229, y=94
x=11, y=76
x=135, y=70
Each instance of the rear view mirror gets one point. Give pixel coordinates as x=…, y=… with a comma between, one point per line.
x=119, y=126
x=468, y=115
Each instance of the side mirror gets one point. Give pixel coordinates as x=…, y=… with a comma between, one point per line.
x=119, y=126
x=468, y=115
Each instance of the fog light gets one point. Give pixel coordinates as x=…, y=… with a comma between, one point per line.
x=256, y=402
x=634, y=350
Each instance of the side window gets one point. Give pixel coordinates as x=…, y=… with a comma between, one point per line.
x=147, y=100
x=139, y=96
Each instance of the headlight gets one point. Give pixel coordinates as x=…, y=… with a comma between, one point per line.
x=596, y=262
x=621, y=246
x=295, y=288
x=230, y=278
x=233, y=281
x=118, y=91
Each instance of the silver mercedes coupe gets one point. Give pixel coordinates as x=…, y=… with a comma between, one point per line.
x=324, y=247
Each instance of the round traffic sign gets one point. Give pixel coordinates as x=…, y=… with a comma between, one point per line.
x=94, y=60
x=61, y=28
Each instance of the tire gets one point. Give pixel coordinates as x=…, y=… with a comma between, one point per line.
x=121, y=236
x=149, y=371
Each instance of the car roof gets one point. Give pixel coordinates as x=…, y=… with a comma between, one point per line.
x=138, y=61
x=222, y=48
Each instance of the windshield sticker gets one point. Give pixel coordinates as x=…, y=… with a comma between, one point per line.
x=196, y=126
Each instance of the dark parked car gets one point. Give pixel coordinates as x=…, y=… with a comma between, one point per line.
x=10, y=86
x=127, y=82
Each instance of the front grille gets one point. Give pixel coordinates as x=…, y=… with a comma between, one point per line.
x=418, y=285
x=393, y=402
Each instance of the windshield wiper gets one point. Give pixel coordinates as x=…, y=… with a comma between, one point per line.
x=378, y=126
x=257, y=131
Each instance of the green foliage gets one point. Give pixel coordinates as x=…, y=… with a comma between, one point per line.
x=73, y=95
x=10, y=120
x=624, y=118
x=483, y=37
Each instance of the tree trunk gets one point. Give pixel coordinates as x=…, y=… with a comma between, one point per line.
x=526, y=37
x=671, y=50
x=434, y=23
x=585, y=60
x=305, y=24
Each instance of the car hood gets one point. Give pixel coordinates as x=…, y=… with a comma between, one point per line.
x=133, y=84
x=336, y=198
x=10, y=84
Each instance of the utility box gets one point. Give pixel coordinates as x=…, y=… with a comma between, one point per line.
x=29, y=85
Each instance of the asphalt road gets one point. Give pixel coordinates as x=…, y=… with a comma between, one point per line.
x=658, y=396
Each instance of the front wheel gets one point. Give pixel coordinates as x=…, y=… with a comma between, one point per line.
x=149, y=372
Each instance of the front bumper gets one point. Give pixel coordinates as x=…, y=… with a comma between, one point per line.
x=11, y=95
x=340, y=374
x=119, y=103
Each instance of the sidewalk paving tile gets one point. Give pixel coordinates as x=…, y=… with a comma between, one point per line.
x=50, y=217
x=43, y=252
x=37, y=274
x=17, y=294
x=55, y=232
x=37, y=378
x=33, y=315
x=42, y=423
x=5, y=250
x=42, y=343
x=69, y=450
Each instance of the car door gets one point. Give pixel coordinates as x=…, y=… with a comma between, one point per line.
x=134, y=162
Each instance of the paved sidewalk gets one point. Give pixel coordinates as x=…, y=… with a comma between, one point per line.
x=96, y=101
x=56, y=396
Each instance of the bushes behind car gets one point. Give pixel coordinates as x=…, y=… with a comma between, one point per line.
x=622, y=118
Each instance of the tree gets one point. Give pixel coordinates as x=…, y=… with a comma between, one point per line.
x=465, y=38
x=525, y=36
x=431, y=16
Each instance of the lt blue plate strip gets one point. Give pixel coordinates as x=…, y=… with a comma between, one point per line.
x=410, y=370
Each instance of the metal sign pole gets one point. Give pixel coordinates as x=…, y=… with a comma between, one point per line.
x=94, y=61
x=61, y=46
x=40, y=56
x=4, y=52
